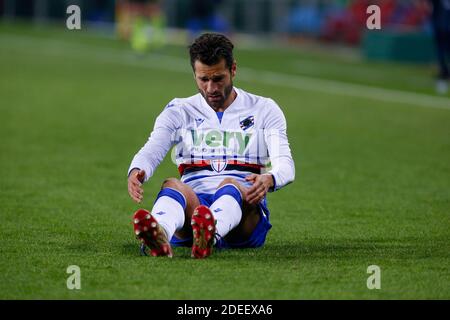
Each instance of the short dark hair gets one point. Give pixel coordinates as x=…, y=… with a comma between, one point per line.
x=210, y=48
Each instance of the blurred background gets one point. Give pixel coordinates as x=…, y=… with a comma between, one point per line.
x=406, y=24
x=407, y=34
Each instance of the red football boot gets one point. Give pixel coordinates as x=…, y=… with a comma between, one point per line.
x=151, y=234
x=203, y=228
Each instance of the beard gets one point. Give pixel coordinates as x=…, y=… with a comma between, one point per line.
x=217, y=99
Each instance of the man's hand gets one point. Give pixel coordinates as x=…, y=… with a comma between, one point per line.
x=261, y=185
x=135, y=180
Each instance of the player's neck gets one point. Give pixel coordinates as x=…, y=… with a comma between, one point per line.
x=227, y=102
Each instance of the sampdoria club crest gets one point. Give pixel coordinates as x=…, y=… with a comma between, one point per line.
x=218, y=165
x=247, y=122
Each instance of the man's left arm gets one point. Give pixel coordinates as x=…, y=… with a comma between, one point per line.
x=283, y=169
x=275, y=136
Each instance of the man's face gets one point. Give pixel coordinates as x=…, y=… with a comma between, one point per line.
x=215, y=83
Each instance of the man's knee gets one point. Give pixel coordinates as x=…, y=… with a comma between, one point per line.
x=228, y=181
x=234, y=182
x=184, y=189
x=173, y=183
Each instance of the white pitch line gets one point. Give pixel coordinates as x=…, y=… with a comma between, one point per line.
x=347, y=89
x=175, y=64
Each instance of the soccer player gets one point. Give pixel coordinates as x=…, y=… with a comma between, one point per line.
x=231, y=148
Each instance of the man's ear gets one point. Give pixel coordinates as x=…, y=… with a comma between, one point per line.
x=233, y=69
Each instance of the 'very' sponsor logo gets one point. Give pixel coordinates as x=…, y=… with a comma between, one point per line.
x=216, y=139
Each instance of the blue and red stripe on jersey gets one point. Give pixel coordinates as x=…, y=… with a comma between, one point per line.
x=186, y=168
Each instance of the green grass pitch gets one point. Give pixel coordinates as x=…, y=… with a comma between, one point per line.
x=372, y=184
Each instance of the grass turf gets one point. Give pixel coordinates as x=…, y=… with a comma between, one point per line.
x=372, y=187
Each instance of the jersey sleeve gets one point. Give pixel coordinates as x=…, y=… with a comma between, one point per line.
x=275, y=135
x=162, y=138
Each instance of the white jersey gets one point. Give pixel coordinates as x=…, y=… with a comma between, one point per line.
x=250, y=138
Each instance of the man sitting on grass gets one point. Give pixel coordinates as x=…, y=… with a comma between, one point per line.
x=231, y=149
